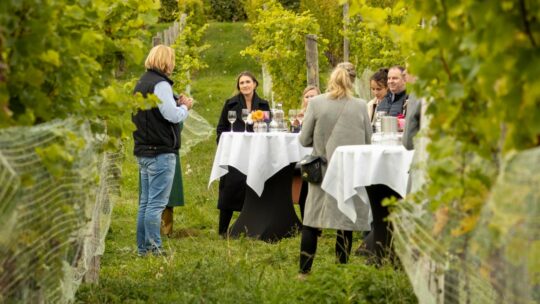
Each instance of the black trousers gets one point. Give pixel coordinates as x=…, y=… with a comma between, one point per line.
x=302, y=198
x=308, y=247
x=225, y=216
x=379, y=240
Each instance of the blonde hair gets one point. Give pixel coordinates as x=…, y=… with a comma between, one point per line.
x=161, y=58
x=341, y=81
x=309, y=88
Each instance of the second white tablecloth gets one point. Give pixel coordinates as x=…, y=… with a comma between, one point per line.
x=352, y=168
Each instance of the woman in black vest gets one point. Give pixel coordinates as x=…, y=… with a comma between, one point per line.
x=232, y=186
x=157, y=140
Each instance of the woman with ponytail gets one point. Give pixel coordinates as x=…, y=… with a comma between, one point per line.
x=333, y=119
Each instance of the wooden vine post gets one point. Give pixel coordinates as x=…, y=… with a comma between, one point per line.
x=312, y=60
x=346, y=42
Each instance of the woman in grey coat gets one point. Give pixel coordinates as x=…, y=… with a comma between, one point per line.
x=332, y=119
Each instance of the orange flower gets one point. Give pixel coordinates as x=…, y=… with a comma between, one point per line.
x=257, y=115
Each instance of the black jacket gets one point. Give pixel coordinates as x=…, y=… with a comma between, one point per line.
x=154, y=134
x=393, y=107
x=237, y=103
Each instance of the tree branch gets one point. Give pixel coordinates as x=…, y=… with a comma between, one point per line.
x=445, y=65
x=526, y=23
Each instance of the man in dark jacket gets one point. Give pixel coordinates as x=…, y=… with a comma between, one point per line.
x=394, y=102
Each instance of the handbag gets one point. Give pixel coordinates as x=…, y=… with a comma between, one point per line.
x=311, y=168
x=311, y=165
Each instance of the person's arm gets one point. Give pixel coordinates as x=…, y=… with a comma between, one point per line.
x=308, y=126
x=368, y=128
x=412, y=124
x=167, y=106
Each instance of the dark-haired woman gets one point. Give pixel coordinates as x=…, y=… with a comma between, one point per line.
x=378, y=84
x=232, y=186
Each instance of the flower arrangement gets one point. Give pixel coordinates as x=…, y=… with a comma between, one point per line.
x=257, y=115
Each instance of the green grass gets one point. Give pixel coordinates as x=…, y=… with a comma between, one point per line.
x=223, y=57
x=202, y=267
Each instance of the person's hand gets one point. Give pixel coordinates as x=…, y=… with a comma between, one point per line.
x=188, y=102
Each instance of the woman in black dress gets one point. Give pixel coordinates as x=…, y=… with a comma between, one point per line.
x=232, y=186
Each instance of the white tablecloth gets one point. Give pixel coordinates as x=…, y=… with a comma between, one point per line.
x=257, y=155
x=354, y=167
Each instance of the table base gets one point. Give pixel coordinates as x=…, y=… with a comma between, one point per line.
x=270, y=217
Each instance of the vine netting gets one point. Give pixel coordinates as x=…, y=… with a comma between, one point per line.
x=498, y=263
x=58, y=190
x=196, y=129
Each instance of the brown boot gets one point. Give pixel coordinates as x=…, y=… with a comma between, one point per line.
x=167, y=221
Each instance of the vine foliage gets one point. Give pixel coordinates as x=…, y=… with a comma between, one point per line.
x=476, y=63
x=329, y=15
x=372, y=46
x=279, y=43
x=60, y=59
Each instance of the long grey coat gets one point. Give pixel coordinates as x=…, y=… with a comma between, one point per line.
x=353, y=128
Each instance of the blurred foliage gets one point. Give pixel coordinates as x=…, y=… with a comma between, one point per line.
x=476, y=63
x=329, y=15
x=372, y=46
x=168, y=12
x=60, y=58
x=293, y=5
x=240, y=10
x=279, y=42
x=251, y=8
x=195, y=10
x=226, y=10
x=188, y=48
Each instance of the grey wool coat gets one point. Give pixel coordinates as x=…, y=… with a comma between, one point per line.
x=352, y=128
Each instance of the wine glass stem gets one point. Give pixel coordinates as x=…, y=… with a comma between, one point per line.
x=231, y=126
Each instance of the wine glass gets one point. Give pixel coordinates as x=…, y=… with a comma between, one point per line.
x=300, y=116
x=266, y=116
x=245, y=114
x=232, y=118
x=292, y=117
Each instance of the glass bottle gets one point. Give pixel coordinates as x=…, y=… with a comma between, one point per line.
x=279, y=117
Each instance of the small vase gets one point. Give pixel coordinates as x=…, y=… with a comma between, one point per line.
x=260, y=127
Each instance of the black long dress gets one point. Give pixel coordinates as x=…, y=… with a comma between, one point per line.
x=232, y=186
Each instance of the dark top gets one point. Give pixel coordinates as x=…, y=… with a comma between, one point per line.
x=237, y=103
x=154, y=134
x=393, y=103
x=232, y=186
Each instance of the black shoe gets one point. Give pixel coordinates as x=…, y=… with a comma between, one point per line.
x=159, y=252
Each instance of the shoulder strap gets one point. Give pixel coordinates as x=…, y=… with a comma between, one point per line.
x=335, y=124
x=339, y=116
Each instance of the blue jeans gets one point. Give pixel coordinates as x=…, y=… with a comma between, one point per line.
x=156, y=175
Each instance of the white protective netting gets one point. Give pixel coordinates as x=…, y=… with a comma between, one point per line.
x=498, y=263
x=56, y=196
x=196, y=129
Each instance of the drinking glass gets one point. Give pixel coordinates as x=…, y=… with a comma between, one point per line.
x=231, y=115
x=300, y=115
x=266, y=116
x=292, y=117
x=245, y=114
x=378, y=120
